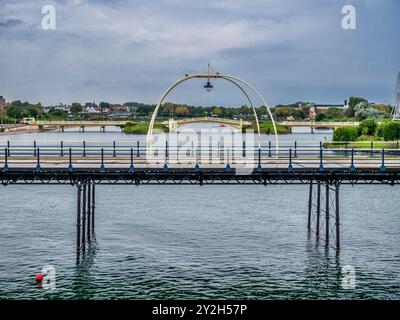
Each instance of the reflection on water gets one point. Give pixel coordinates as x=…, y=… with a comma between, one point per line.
x=83, y=277
x=207, y=126
x=115, y=134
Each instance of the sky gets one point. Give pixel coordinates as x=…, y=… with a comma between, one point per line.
x=119, y=51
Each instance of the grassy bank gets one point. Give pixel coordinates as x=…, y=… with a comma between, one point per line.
x=141, y=127
x=362, y=144
x=268, y=128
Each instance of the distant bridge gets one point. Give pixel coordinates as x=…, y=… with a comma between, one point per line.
x=318, y=125
x=61, y=125
x=173, y=124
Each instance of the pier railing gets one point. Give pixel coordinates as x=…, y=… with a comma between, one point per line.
x=128, y=154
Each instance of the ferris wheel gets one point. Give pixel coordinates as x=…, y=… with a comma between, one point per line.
x=396, y=109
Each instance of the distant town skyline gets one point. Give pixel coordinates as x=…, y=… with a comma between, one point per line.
x=124, y=51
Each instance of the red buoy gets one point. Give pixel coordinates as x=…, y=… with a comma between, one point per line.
x=39, y=277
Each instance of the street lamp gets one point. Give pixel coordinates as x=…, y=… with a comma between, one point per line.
x=208, y=86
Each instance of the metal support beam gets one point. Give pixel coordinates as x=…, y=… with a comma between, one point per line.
x=93, y=204
x=318, y=207
x=328, y=206
x=337, y=222
x=78, y=217
x=310, y=198
x=327, y=214
x=84, y=216
x=89, y=209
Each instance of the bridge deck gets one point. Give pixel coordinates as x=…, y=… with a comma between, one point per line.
x=176, y=176
x=53, y=161
x=318, y=124
x=214, y=162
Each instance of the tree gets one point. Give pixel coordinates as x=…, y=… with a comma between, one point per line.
x=245, y=110
x=181, y=111
x=18, y=109
x=365, y=110
x=320, y=116
x=368, y=127
x=384, y=107
x=353, y=101
x=228, y=112
x=76, y=108
x=169, y=108
x=391, y=131
x=262, y=111
x=55, y=113
x=333, y=113
x=284, y=112
x=346, y=134
x=218, y=111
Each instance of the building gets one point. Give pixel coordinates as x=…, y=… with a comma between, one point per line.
x=91, y=108
x=326, y=107
x=312, y=113
x=105, y=110
x=120, y=108
x=62, y=107
x=119, y=115
x=321, y=108
x=2, y=103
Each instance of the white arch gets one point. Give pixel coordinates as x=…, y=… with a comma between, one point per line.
x=216, y=76
x=252, y=106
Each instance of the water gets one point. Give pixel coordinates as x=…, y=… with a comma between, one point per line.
x=195, y=242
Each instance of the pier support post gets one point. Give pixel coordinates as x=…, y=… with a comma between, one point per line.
x=310, y=197
x=93, y=204
x=327, y=214
x=83, y=241
x=89, y=209
x=327, y=205
x=78, y=217
x=337, y=211
x=318, y=207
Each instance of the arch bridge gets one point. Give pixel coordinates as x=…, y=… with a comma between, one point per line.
x=173, y=124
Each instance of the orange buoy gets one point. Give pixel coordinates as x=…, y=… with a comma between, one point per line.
x=39, y=277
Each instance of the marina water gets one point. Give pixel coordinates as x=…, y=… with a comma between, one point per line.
x=189, y=242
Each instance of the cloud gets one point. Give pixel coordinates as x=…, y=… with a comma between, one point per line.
x=10, y=23
x=131, y=50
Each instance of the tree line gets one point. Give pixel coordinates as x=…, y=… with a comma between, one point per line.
x=358, y=110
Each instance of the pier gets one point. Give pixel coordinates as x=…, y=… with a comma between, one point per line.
x=85, y=166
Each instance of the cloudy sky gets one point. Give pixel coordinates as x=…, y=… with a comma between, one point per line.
x=122, y=50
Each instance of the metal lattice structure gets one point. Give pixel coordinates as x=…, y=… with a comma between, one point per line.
x=396, y=109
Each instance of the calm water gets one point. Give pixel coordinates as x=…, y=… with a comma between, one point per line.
x=195, y=242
